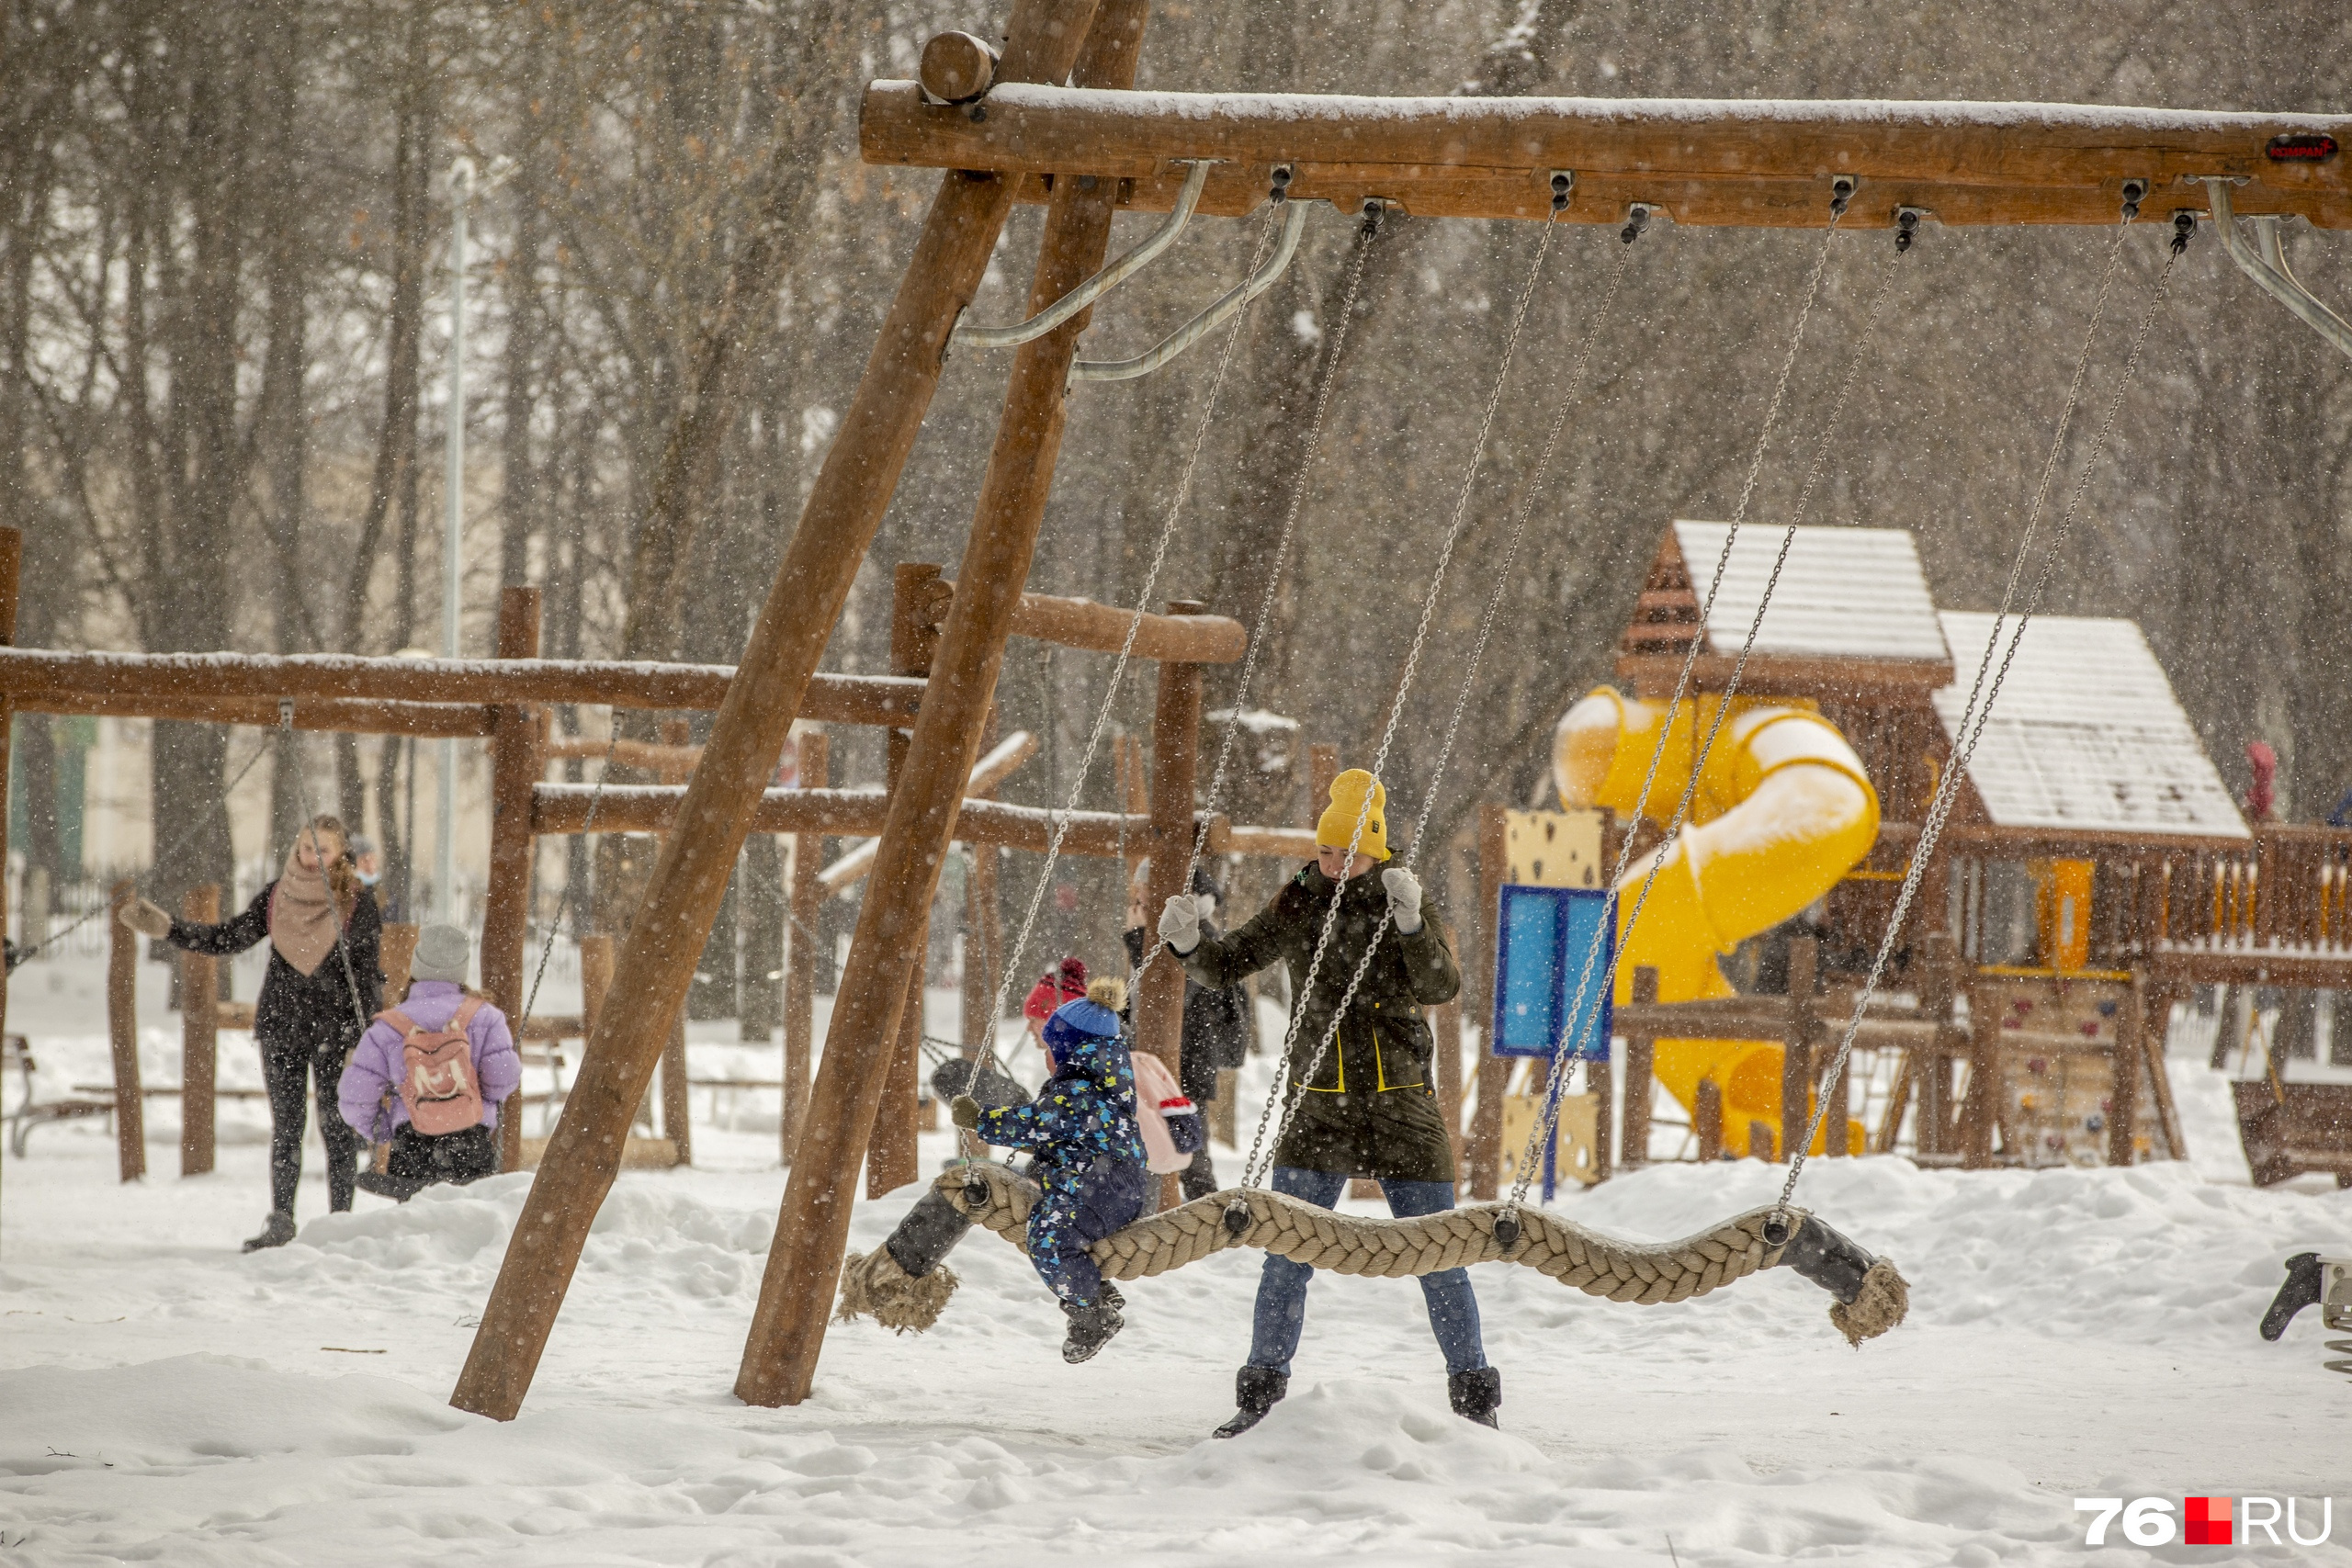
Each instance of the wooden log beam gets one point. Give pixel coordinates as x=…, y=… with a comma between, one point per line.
x=199, y=1035
x=12, y=548
x=845, y=506
x=514, y=766
x=1754, y=164
x=796, y=1287
x=1102, y=628
x=460, y=721
x=1485, y=1140
x=1158, y=1007
x=800, y=964
x=123, y=1034
x=1796, y=1051
x=1640, y=1062
x=39, y=675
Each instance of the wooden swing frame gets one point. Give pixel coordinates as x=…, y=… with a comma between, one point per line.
x=1089, y=151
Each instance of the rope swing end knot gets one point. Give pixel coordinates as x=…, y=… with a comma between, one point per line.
x=1237, y=1218
x=1506, y=1230
x=1776, y=1231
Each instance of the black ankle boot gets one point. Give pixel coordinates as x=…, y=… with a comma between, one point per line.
x=1256, y=1390
x=2302, y=1289
x=1091, y=1328
x=1475, y=1393
x=276, y=1233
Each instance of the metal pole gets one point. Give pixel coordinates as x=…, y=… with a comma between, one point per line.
x=445, y=859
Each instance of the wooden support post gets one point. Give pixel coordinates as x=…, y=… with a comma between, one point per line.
x=1135, y=800
x=804, y=1264
x=199, y=1035
x=1931, y=1066
x=891, y=1159
x=12, y=548
x=1796, y=1060
x=1494, y=1072
x=1175, y=752
x=2155, y=1030
x=2127, y=1053
x=1639, y=1060
x=1978, y=1112
x=1707, y=1120
x=595, y=978
x=515, y=764
x=983, y=948
x=813, y=582
x=122, y=1032
x=677, y=1094
x=800, y=967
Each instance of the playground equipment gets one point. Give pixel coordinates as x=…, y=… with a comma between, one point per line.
x=1088, y=150
x=1782, y=811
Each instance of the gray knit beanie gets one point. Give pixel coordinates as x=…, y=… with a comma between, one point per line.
x=443, y=953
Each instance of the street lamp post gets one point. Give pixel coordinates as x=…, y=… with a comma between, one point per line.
x=445, y=824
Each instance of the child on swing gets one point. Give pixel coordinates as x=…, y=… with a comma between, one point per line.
x=1089, y=1158
x=430, y=1075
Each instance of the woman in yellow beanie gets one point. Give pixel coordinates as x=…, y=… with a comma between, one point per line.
x=1371, y=1108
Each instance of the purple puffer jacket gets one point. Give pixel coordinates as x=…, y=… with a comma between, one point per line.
x=374, y=1068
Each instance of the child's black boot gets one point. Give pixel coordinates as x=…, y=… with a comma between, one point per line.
x=1091, y=1327
x=1256, y=1390
x=1476, y=1394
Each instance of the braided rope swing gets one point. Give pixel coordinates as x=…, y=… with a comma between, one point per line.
x=1872, y=1296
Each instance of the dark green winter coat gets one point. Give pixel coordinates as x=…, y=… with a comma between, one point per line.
x=1371, y=1108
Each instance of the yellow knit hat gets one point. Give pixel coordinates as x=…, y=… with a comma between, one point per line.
x=1337, y=824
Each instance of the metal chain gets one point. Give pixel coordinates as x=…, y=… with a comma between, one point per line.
x=1301, y=471
x=1947, y=787
x=1297, y=1086
x=1547, y=1116
x=1176, y=505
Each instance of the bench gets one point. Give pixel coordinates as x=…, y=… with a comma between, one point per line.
x=16, y=1052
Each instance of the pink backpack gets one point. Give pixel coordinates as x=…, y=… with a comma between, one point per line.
x=437, y=1082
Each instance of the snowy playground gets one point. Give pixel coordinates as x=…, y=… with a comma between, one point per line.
x=2073, y=1332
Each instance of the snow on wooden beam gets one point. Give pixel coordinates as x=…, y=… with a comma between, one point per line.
x=188, y=683
x=1722, y=161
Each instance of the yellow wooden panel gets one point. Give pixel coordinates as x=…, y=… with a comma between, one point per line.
x=1553, y=849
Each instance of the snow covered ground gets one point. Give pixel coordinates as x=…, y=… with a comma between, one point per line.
x=2073, y=1332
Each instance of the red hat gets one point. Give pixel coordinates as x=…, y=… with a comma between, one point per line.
x=1065, y=982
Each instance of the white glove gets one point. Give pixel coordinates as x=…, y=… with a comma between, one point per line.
x=1180, y=923
x=147, y=918
x=1404, y=898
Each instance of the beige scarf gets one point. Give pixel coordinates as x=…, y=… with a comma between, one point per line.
x=302, y=923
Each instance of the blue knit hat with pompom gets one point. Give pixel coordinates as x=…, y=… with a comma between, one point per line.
x=1084, y=1019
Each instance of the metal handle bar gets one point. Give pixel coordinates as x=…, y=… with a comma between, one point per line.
x=1102, y=282
x=2270, y=268
x=1209, y=320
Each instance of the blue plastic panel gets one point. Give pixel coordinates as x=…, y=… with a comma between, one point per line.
x=1542, y=937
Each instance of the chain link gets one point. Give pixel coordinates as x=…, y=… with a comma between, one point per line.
x=1974, y=717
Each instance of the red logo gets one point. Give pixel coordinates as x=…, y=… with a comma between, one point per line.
x=2205, y=1521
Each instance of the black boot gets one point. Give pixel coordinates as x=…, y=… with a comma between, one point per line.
x=1475, y=1393
x=1091, y=1327
x=278, y=1233
x=2302, y=1289
x=1256, y=1390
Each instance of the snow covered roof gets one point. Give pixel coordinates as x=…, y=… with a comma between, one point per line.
x=2086, y=734
x=1855, y=592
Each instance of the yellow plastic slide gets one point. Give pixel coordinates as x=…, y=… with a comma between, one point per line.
x=1781, y=811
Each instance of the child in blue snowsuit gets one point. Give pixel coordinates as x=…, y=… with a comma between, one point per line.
x=1089, y=1158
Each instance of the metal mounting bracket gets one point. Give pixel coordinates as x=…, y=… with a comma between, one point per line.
x=1102, y=282
x=2269, y=267
x=1225, y=306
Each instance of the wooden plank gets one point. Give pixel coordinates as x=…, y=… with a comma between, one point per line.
x=122, y=1034
x=890, y=1157
x=1709, y=162
x=2123, y=1103
x=41, y=674
x=845, y=505
x=796, y=1286
x=515, y=764
x=1979, y=1108
x=1640, y=1062
x=355, y=715
x=557, y=808
x=199, y=1036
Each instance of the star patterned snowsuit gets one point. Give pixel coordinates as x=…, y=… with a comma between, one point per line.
x=1089, y=1156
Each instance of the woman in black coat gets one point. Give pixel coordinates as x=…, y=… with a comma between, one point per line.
x=324, y=982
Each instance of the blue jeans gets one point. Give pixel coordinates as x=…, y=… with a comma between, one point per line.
x=1282, y=1288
